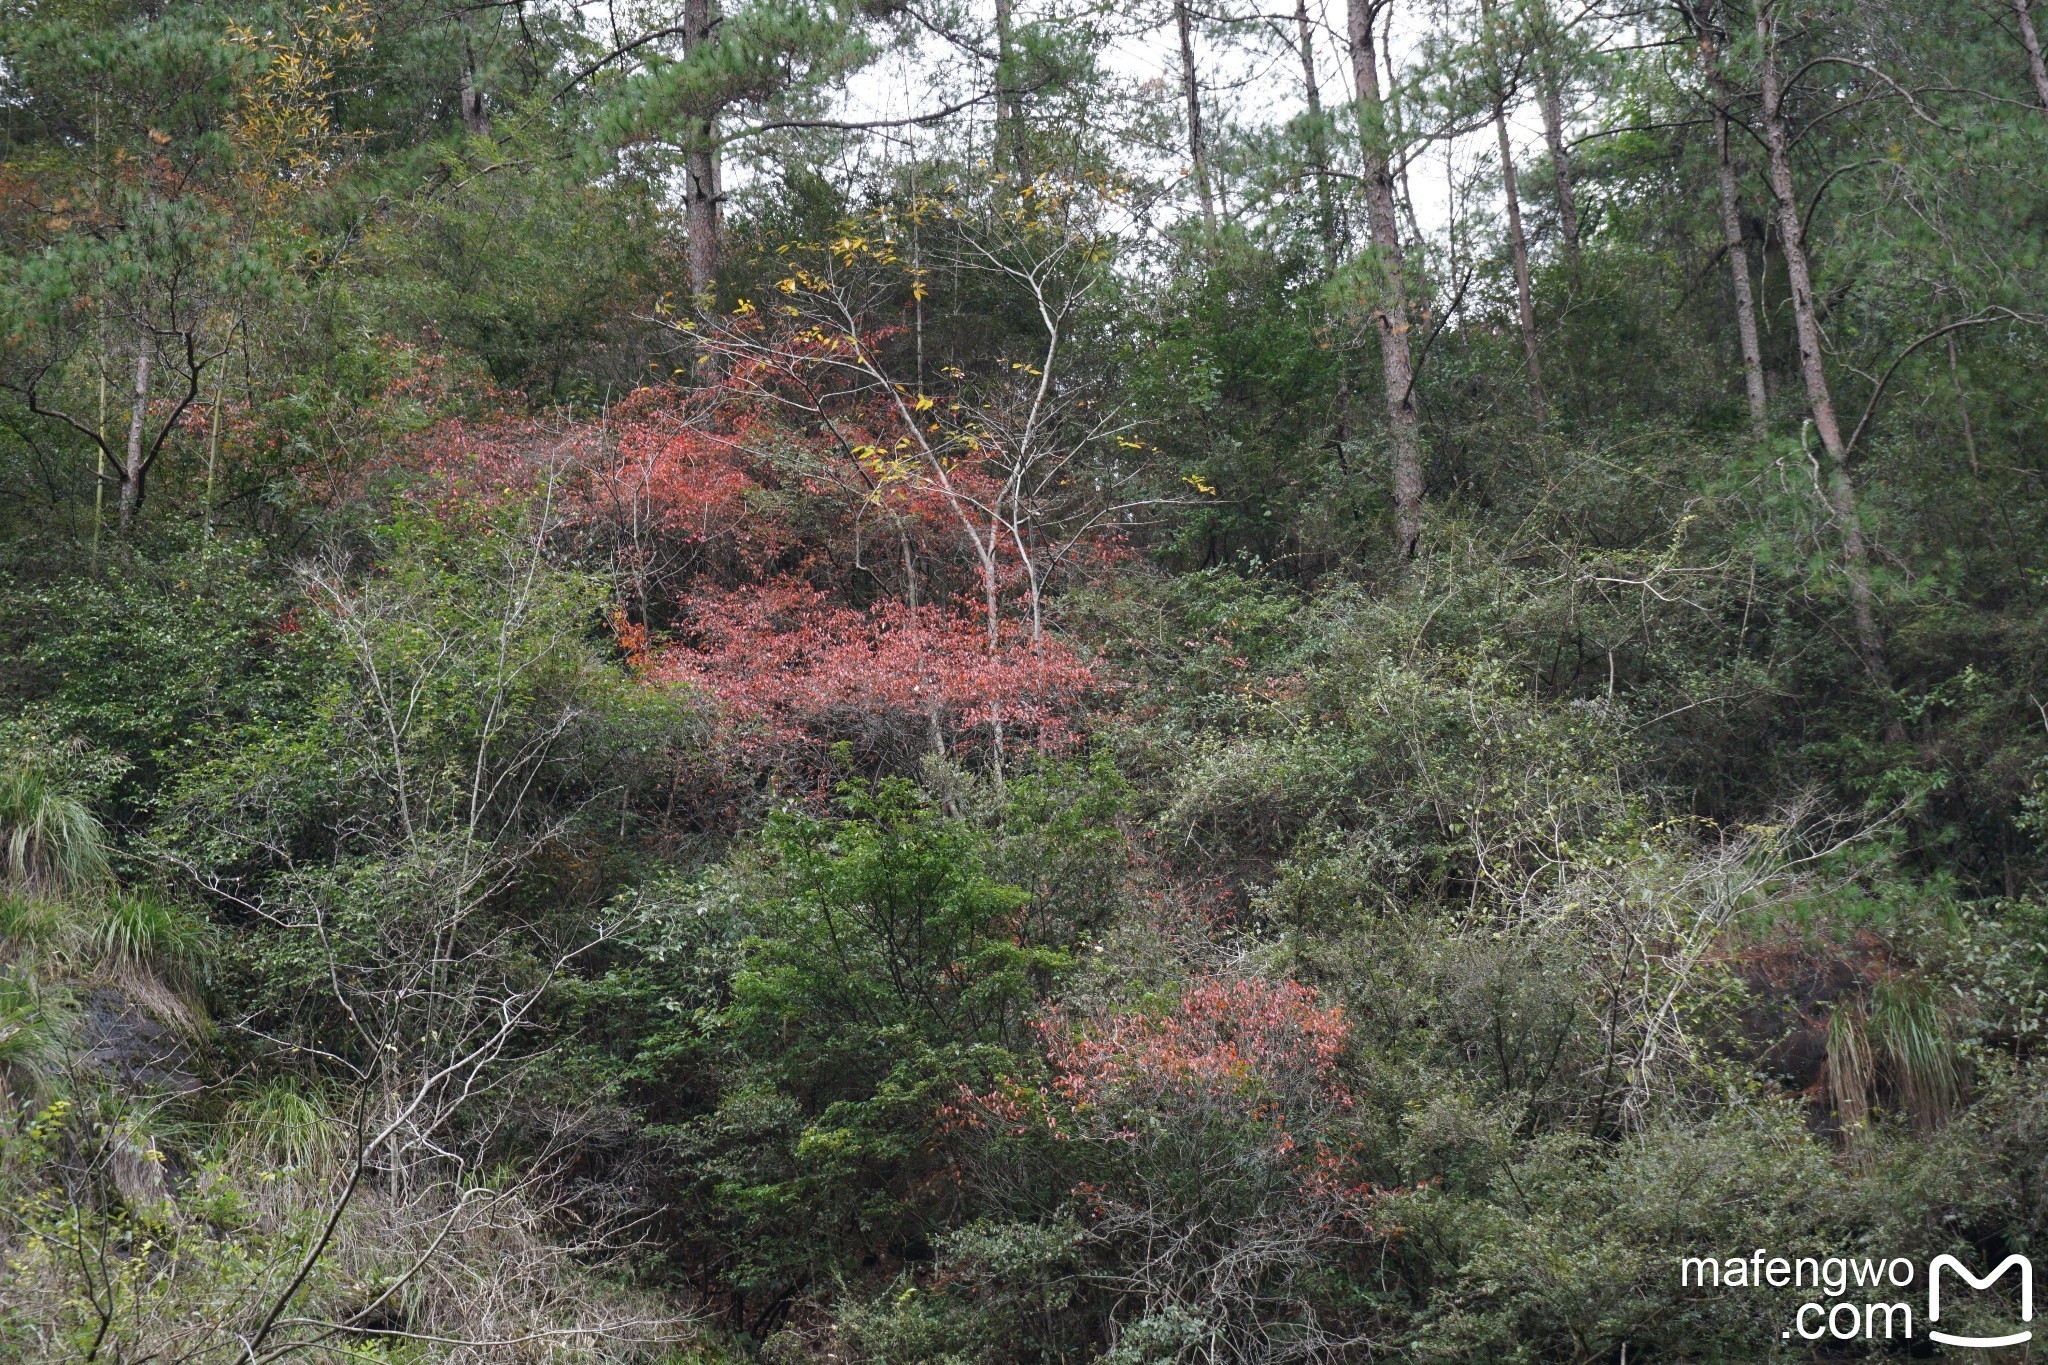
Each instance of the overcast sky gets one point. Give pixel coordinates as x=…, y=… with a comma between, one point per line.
x=1251, y=82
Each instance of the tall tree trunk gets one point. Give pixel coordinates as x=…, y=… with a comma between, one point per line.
x=1191, y=87
x=1551, y=98
x=1407, y=196
x=213, y=455
x=1326, y=206
x=1712, y=55
x=1009, y=135
x=1518, y=244
x=1738, y=276
x=2031, y=41
x=475, y=117
x=1318, y=137
x=99, y=472
x=1518, y=241
x=1955, y=379
x=700, y=168
x=132, y=468
x=1390, y=311
x=1841, y=488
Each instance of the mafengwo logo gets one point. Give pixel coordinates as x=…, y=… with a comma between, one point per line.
x=1859, y=1298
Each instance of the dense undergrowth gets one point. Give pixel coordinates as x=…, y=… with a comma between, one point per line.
x=881, y=774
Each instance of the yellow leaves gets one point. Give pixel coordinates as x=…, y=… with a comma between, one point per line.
x=745, y=307
x=850, y=249
x=282, y=123
x=923, y=403
x=883, y=471
x=801, y=281
x=1195, y=482
x=1129, y=444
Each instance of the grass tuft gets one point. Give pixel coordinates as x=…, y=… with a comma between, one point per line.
x=36, y=1022
x=1852, y=1066
x=139, y=930
x=1909, y=1025
x=287, y=1125
x=48, y=839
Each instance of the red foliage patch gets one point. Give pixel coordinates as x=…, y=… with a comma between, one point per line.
x=1242, y=1066
x=1258, y=1040
x=796, y=672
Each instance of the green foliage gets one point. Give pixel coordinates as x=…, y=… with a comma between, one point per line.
x=1425, y=773
x=447, y=696
x=144, y=662
x=1581, y=1251
x=199, y=1272
x=874, y=968
x=1013, y=1291
x=287, y=1127
x=1060, y=833
x=884, y=923
x=521, y=262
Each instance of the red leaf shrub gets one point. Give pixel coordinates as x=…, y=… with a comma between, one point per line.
x=1265, y=1044
x=1206, y=1147
x=796, y=673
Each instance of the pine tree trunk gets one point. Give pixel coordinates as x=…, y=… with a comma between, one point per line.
x=701, y=215
x=1318, y=145
x=1738, y=276
x=1518, y=241
x=1390, y=310
x=2031, y=41
x=1841, y=488
x=475, y=117
x=1192, y=89
x=700, y=169
x=1552, y=102
x=132, y=468
x=1518, y=244
x=1009, y=136
x=1955, y=379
